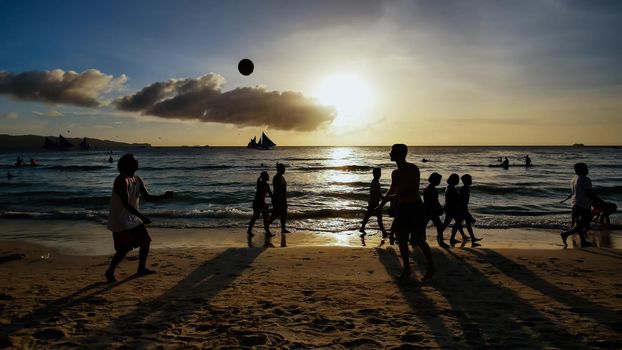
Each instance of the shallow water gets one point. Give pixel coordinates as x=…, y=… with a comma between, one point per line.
x=327, y=186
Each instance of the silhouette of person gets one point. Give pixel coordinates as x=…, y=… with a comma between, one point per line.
x=9, y=175
x=453, y=209
x=582, y=197
x=602, y=211
x=375, y=196
x=125, y=221
x=433, y=208
x=465, y=194
x=261, y=208
x=527, y=160
x=110, y=160
x=410, y=218
x=19, y=161
x=279, y=200
x=505, y=163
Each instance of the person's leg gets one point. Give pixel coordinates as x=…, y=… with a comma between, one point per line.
x=143, y=253
x=284, y=220
x=403, y=245
x=575, y=227
x=364, y=222
x=381, y=225
x=265, y=216
x=439, y=231
x=252, y=222
x=116, y=259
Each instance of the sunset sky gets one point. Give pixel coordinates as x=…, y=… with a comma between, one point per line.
x=326, y=72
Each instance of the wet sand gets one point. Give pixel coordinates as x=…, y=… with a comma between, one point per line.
x=309, y=296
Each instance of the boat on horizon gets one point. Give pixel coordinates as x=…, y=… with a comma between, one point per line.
x=264, y=142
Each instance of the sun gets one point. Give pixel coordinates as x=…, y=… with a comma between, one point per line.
x=350, y=95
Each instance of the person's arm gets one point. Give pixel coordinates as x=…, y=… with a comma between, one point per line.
x=120, y=188
x=390, y=195
x=151, y=198
x=567, y=198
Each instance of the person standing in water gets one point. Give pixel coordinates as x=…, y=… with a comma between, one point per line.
x=125, y=221
x=409, y=211
x=279, y=201
x=260, y=207
x=433, y=208
x=375, y=196
x=465, y=194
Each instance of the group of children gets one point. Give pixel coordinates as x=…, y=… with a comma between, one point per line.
x=456, y=209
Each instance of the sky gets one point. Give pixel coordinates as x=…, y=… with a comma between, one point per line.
x=545, y=72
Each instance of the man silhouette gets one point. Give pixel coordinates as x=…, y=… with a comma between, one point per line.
x=410, y=219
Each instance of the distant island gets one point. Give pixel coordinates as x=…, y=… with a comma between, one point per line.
x=36, y=142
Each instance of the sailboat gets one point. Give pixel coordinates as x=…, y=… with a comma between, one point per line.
x=63, y=144
x=264, y=142
x=85, y=145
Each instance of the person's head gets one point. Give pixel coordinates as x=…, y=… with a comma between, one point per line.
x=264, y=176
x=127, y=164
x=466, y=179
x=280, y=168
x=398, y=152
x=435, y=179
x=453, y=179
x=580, y=169
x=377, y=172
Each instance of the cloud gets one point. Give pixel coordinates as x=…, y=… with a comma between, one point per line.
x=58, y=86
x=50, y=113
x=202, y=99
x=10, y=116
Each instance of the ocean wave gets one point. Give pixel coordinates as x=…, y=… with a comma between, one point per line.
x=338, y=168
x=77, y=167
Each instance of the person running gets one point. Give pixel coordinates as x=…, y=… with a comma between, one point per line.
x=409, y=211
x=582, y=197
x=465, y=195
x=260, y=207
x=453, y=209
x=433, y=208
x=125, y=221
x=279, y=201
x=375, y=196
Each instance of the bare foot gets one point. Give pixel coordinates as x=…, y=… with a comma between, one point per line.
x=285, y=231
x=110, y=276
x=145, y=272
x=564, y=237
x=453, y=242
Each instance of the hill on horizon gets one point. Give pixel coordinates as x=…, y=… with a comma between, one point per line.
x=36, y=142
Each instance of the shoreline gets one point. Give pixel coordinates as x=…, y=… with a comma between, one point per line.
x=90, y=238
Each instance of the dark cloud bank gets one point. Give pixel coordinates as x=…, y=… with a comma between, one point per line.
x=199, y=98
x=57, y=86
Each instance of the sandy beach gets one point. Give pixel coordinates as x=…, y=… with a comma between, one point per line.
x=310, y=295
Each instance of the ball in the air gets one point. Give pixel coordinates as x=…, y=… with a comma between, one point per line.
x=246, y=66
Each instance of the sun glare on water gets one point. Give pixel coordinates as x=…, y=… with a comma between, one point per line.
x=350, y=95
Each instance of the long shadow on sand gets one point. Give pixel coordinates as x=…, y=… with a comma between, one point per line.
x=609, y=318
x=138, y=328
x=491, y=314
x=423, y=307
x=85, y=295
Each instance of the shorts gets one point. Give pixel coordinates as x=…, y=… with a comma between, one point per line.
x=410, y=222
x=130, y=239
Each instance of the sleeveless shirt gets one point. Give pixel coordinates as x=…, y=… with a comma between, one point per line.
x=119, y=219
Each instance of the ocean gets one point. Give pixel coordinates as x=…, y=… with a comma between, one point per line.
x=327, y=186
